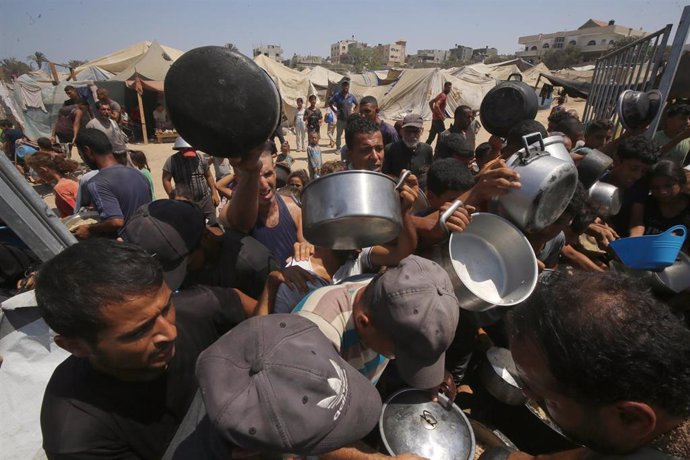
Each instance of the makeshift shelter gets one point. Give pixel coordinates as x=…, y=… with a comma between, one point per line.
x=119, y=60
x=94, y=73
x=321, y=77
x=290, y=83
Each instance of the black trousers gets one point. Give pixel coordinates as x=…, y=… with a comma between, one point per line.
x=437, y=127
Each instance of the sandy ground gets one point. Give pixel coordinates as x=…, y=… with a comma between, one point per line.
x=158, y=153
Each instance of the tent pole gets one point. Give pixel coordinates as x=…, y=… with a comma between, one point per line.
x=144, y=131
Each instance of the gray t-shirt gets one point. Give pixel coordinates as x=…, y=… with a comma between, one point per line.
x=112, y=131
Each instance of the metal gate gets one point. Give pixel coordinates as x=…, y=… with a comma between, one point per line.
x=635, y=66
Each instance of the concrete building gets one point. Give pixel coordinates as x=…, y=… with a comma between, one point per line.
x=394, y=53
x=461, y=53
x=305, y=61
x=432, y=56
x=484, y=52
x=342, y=47
x=274, y=52
x=593, y=38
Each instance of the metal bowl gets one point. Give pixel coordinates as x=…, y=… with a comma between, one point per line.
x=412, y=423
x=605, y=199
x=498, y=373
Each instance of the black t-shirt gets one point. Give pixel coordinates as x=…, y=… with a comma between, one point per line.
x=313, y=117
x=655, y=222
x=90, y=415
x=399, y=156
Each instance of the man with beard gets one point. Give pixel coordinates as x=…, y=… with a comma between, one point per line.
x=105, y=124
x=462, y=121
x=117, y=191
x=438, y=111
x=104, y=98
x=257, y=210
x=408, y=153
x=609, y=364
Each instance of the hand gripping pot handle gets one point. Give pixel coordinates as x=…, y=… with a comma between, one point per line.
x=403, y=177
x=449, y=212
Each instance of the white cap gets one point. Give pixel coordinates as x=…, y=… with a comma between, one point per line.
x=181, y=144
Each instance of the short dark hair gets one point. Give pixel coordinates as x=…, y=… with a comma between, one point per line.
x=571, y=127
x=44, y=143
x=482, y=150
x=580, y=209
x=100, y=104
x=94, y=139
x=462, y=108
x=448, y=174
x=311, y=96
x=524, y=128
x=456, y=145
x=609, y=342
x=69, y=88
x=678, y=109
x=369, y=100
x=670, y=169
x=600, y=124
x=356, y=124
x=559, y=116
x=448, y=83
x=74, y=286
x=638, y=148
x=299, y=99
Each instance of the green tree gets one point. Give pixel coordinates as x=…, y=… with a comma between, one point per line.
x=13, y=66
x=38, y=58
x=365, y=58
x=232, y=47
x=556, y=59
x=625, y=41
x=74, y=63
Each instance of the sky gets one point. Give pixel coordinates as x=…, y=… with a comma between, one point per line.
x=71, y=29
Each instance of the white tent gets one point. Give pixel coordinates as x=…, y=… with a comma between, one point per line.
x=94, y=73
x=119, y=60
x=321, y=76
x=291, y=84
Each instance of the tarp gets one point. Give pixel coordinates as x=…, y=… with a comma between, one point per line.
x=320, y=77
x=572, y=87
x=94, y=73
x=119, y=60
x=291, y=84
x=153, y=65
x=368, y=78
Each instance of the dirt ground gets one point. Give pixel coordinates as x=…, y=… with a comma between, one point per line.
x=158, y=153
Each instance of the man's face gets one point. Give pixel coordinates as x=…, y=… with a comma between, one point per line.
x=71, y=93
x=367, y=151
x=594, y=427
x=627, y=172
x=139, y=337
x=463, y=119
x=267, y=181
x=312, y=102
x=105, y=110
x=345, y=88
x=447, y=87
x=87, y=157
x=598, y=139
x=101, y=94
x=369, y=111
x=677, y=123
x=411, y=136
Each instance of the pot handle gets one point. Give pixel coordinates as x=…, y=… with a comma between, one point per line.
x=405, y=174
x=528, y=140
x=678, y=230
x=449, y=212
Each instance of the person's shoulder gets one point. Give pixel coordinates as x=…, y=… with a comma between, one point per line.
x=92, y=123
x=425, y=148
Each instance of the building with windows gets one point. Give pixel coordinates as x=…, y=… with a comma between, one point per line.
x=393, y=54
x=484, y=52
x=342, y=48
x=461, y=53
x=274, y=52
x=431, y=56
x=593, y=38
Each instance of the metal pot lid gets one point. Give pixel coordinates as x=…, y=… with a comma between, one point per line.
x=411, y=423
x=502, y=363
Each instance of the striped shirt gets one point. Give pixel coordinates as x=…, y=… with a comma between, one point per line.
x=330, y=308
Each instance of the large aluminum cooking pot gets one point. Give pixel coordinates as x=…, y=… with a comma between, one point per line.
x=412, y=423
x=555, y=146
x=507, y=104
x=605, y=199
x=490, y=264
x=592, y=166
x=498, y=375
x=548, y=184
x=351, y=210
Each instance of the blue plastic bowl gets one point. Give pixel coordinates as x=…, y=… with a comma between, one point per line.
x=651, y=252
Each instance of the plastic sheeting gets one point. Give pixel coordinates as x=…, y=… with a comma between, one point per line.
x=94, y=73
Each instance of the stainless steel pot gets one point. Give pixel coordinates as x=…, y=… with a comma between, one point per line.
x=592, y=166
x=351, y=210
x=674, y=279
x=605, y=199
x=555, y=146
x=411, y=423
x=498, y=375
x=548, y=184
x=490, y=264
x=486, y=438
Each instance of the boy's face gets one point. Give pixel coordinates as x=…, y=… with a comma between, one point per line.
x=629, y=171
x=299, y=104
x=312, y=101
x=313, y=139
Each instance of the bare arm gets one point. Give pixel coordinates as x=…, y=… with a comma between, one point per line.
x=108, y=227
x=167, y=183
x=77, y=124
x=222, y=185
x=675, y=140
x=296, y=214
x=637, y=220
x=360, y=451
x=391, y=254
x=249, y=305
x=580, y=260
x=211, y=181
x=243, y=209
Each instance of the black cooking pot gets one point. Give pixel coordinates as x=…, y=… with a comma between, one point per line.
x=637, y=109
x=507, y=104
x=221, y=102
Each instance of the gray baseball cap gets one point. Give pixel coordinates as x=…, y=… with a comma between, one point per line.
x=276, y=384
x=413, y=119
x=169, y=230
x=415, y=305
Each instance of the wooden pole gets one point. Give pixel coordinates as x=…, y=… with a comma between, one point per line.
x=53, y=71
x=143, y=119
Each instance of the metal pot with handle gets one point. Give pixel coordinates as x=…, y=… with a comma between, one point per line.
x=507, y=104
x=490, y=263
x=352, y=209
x=605, y=199
x=548, y=185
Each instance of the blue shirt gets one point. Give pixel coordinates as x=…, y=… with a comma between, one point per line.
x=344, y=104
x=118, y=191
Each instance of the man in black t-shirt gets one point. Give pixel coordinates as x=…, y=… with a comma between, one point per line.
x=408, y=153
x=134, y=343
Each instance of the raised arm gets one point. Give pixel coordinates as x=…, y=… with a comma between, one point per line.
x=243, y=209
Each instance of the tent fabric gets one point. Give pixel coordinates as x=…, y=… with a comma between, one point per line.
x=291, y=84
x=572, y=87
x=368, y=78
x=321, y=76
x=152, y=65
x=119, y=60
x=94, y=73
x=147, y=85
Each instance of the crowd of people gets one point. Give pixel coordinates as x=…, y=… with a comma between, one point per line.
x=206, y=325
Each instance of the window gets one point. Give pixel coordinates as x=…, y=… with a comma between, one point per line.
x=591, y=43
x=534, y=48
x=545, y=45
x=572, y=42
x=558, y=42
x=612, y=42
